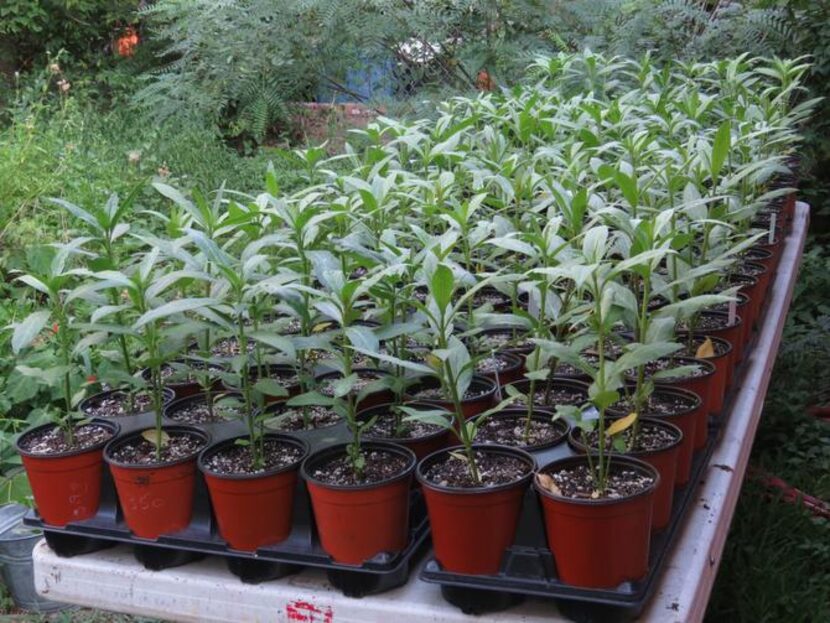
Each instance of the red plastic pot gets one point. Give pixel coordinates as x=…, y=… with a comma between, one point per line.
x=253, y=510
x=663, y=460
x=420, y=446
x=775, y=247
x=472, y=527
x=374, y=398
x=747, y=286
x=470, y=407
x=732, y=333
x=599, y=543
x=760, y=256
x=722, y=362
x=745, y=309
x=358, y=522
x=702, y=386
x=66, y=486
x=759, y=291
x=686, y=420
x=156, y=499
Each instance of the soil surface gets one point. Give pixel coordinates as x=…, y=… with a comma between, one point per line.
x=292, y=419
x=708, y=323
x=287, y=378
x=229, y=347
x=493, y=470
x=558, y=396
x=437, y=393
x=492, y=364
x=117, y=404
x=239, y=459
x=667, y=363
x=198, y=412
x=649, y=438
x=495, y=299
x=384, y=428
x=139, y=451
x=658, y=404
x=501, y=340
x=577, y=483
x=53, y=440
x=510, y=431
x=379, y=465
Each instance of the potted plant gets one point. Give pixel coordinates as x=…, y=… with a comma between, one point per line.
x=589, y=500
x=154, y=470
x=473, y=492
x=62, y=458
x=359, y=490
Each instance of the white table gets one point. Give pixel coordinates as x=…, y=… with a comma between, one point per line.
x=206, y=591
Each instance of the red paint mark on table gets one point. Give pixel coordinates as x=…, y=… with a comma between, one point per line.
x=306, y=612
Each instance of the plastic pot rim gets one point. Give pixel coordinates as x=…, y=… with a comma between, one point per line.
x=218, y=446
x=487, y=449
x=625, y=460
x=577, y=445
x=340, y=450
x=115, y=429
x=176, y=428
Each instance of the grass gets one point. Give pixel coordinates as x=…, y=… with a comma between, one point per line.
x=65, y=146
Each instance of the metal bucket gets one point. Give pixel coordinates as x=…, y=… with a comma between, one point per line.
x=16, y=544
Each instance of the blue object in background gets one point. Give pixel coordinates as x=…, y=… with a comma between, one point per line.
x=376, y=80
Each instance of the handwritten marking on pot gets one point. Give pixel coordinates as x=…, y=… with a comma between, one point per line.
x=301, y=611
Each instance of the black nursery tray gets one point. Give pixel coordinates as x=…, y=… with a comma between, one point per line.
x=528, y=568
x=301, y=548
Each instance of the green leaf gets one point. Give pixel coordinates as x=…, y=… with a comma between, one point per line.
x=171, y=308
x=25, y=332
x=720, y=148
x=278, y=342
x=34, y=282
x=271, y=387
x=309, y=399
x=342, y=387
x=640, y=354
x=441, y=285
x=436, y=417
x=363, y=338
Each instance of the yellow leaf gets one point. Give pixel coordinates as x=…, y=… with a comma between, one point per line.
x=150, y=435
x=457, y=455
x=618, y=426
x=705, y=350
x=433, y=362
x=319, y=327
